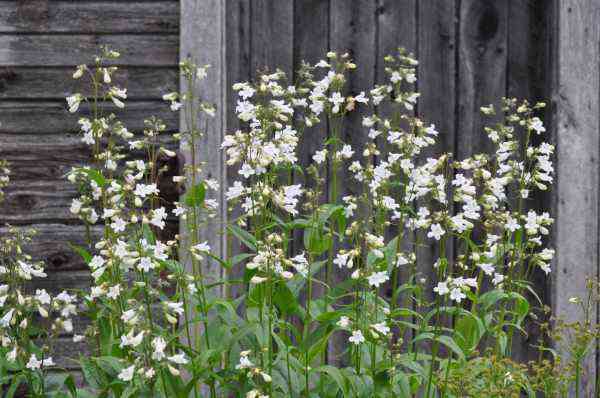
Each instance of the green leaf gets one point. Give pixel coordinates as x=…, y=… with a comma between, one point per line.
x=94, y=175
x=443, y=339
x=285, y=300
x=244, y=236
x=337, y=376
x=195, y=195
x=315, y=241
x=70, y=384
x=83, y=253
x=91, y=373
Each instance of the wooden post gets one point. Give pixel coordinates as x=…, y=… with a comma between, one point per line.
x=576, y=127
x=203, y=41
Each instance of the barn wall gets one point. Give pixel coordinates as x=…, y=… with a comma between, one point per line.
x=471, y=53
x=41, y=41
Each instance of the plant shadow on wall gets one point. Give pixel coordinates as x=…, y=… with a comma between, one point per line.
x=158, y=324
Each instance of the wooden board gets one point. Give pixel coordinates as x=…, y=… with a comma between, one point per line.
x=352, y=29
x=89, y=16
x=271, y=42
x=52, y=117
x=142, y=83
x=70, y=49
x=481, y=70
x=576, y=70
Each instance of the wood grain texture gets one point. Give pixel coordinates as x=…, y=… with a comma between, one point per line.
x=437, y=105
x=52, y=117
x=523, y=77
x=482, y=47
x=238, y=70
x=69, y=49
x=353, y=29
x=203, y=40
x=142, y=83
x=52, y=245
x=576, y=88
x=89, y=17
x=271, y=40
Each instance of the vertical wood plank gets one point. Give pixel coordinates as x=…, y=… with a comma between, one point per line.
x=397, y=28
x=310, y=45
x=353, y=29
x=437, y=75
x=481, y=69
x=272, y=33
x=523, y=77
x=238, y=70
x=203, y=40
x=576, y=91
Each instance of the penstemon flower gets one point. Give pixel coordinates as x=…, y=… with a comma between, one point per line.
x=329, y=250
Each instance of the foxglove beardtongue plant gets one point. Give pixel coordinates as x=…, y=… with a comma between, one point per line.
x=161, y=327
x=29, y=321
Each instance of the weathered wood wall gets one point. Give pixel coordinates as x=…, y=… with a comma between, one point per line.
x=40, y=43
x=472, y=52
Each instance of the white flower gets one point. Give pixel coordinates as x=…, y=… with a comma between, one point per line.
x=118, y=224
x=75, y=206
x=457, y=295
x=431, y=130
x=114, y=292
x=246, y=170
x=11, y=356
x=436, y=232
x=362, y=98
x=357, y=337
x=42, y=296
x=498, y=279
x=158, y=217
x=202, y=247
x=487, y=268
x=336, y=99
x=97, y=262
x=344, y=322
x=346, y=152
x=145, y=264
x=244, y=361
x=158, y=344
x=537, y=125
x=235, y=191
x=511, y=224
x=257, y=279
x=179, y=359
x=131, y=339
x=5, y=320
x=377, y=278
x=320, y=156
x=343, y=260
x=79, y=72
x=442, y=288
x=73, y=101
x=176, y=307
x=381, y=328
x=127, y=373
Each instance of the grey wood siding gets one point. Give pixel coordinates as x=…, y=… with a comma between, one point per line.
x=40, y=43
x=471, y=53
